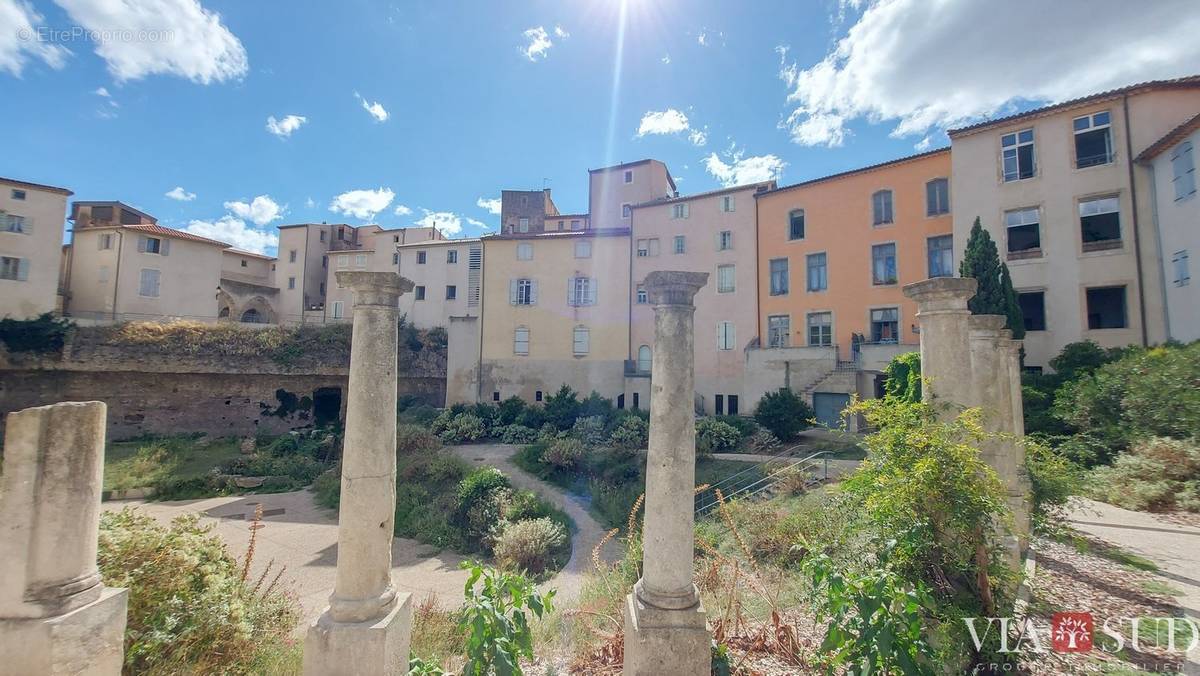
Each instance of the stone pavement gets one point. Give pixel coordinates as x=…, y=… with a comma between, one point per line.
x=1174, y=548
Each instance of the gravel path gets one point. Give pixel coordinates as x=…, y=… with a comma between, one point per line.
x=1173, y=547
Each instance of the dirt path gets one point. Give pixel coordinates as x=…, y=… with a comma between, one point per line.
x=589, y=532
x=1174, y=548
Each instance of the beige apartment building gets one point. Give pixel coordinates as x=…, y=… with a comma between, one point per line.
x=122, y=265
x=447, y=277
x=1072, y=213
x=31, y=232
x=248, y=292
x=1171, y=162
x=711, y=232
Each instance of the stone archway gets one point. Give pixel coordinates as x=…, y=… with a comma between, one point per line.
x=257, y=310
x=252, y=316
x=225, y=305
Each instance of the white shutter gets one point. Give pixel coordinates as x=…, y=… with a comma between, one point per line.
x=22, y=269
x=164, y=247
x=100, y=241
x=533, y=292
x=591, y=295
x=571, y=299
x=141, y=244
x=512, y=292
x=27, y=226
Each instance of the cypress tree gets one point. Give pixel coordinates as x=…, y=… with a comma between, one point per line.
x=1012, y=308
x=996, y=295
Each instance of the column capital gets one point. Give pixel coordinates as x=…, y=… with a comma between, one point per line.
x=942, y=293
x=674, y=287
x=374, y=288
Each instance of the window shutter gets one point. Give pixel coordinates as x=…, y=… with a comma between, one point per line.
x=592, y=287
x=587, y=341
x=571, y=299
x=100, y=241
x=27, y=227
x=164, y=247
x=512, y=292
x=141, y=244
x=22, y=269
x=533, y=292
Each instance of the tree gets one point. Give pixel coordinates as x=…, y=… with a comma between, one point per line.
x=784, y=413
x=996, y=295
x=903, y=374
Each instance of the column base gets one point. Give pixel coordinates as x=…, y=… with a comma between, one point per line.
x=661, y=641
x=88, y=640
x=370, y=648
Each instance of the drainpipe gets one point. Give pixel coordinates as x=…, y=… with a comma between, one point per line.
x=1162, y=268
x=1137, y=243
x=482, y=306
x=757, y=283
x=117, y=273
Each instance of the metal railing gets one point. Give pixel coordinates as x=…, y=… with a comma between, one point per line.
x=750, y=482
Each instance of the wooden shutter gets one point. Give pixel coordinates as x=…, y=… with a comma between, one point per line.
x=512, y=291
x=141, y=244
x=22, y=269
x=533, y=291
x=592, y=288
x=164, y=247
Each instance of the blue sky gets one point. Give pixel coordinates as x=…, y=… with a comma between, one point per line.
x=484, y=96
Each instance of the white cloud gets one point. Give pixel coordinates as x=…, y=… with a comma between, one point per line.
x=448, y=222
x=137, y=38
x=934, y=65
x=103, y=91
x=375, y=108
x=670, y=121
x=362, y=204
x=492, y=206
x=310, y=203
x=698, y=137
x=740, y=170
x=261, y=210
x=235, y=231
x=702, y=38
x=402, y=210
x=284, y=128
x=538, y=43
x=18, y=39
x=666, y=58
x=561, y=33
x=179, y=194
x=478, y=224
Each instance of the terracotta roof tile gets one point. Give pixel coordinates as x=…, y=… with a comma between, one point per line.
x=172, y=232
x=1171, y=138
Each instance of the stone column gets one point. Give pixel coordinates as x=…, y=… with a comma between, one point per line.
x=367, y=626
x=56, y=617
x=1020, y=488
x=665, y=627
x=945, y=340
x=990, y=378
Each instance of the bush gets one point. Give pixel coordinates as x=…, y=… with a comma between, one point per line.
x=903, y=374
x=478, y=485
x=1157, y=474
x=415, y=439
x=564, y=454
x=43, y=334
x=516, y=434
x=509, y=410
x=1054, y=479
x=436, y=338
x=191, y=607
x=465, y=427
x=783, y=413
x=494, y=619
x=562, y=408
x=530, y=546
x=533, y=417
x=763, y=441
x=714, y=436
x=589, y=430
x=745, y=426
x=632, y=433
x=596, y=405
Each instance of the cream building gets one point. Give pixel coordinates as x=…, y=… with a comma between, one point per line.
x=1171, y=162
x=372, y=249
x=1071, y=213
x=711, y=232
x=124, y=266
x=447, y=275
x=31, y=233
x=248, y=291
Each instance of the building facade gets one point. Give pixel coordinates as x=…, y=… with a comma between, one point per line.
x=1071, y=213
x=31, y=231
x=447, y=277
x=248, y=292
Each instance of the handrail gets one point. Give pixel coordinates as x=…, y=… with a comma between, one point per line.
x=768, y=480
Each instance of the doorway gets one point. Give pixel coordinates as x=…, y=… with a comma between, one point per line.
x=828, y=408
x=327, y=405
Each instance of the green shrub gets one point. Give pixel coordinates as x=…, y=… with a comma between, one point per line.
x=632, y=433
x=464, y=428
x=783, y=413
x=530, y=546
x=532, y=417
x=415, y=439
x=903, y=374
x=596, y=405
x=328, y=488
x=562, y=408
x=46, y=333
x=763, y=441
x=745, y=426
x=589, y=430
x=1054, y=479
x=436, y=338
x=564, y=454
x=714, y=436
x=191, y=608
x=494, y=617
x=516, y=434
x=524, y=505
x=1156, y=474
x=509, y=410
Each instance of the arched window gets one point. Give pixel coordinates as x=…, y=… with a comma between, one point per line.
x=881, y=207
x=643, y=362
x=252, y=316
x=224, y=311
x=796, y=224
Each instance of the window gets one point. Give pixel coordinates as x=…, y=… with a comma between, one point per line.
x=883, y=264
x=581, y=340
x=726, y=335
x=647, y=247
x=522, y=292
x=885, y=325
x=396, y=258
x=643, y=362
x=1033, y=309
x=292, y=256
x=523, y=225
x=322, y=288
x=1093, y=140
x=451, y=292
x=1016, y=155
x=1106, y=308
x=725, y=279
x=324, y=262
x=727, y=204
x=779, y=331
x=521, y=341
x=1179, y=263
x=243, y=262
x=148, y=284
x=496, y=396
x=18, y=195
x=626, y=210
x=419, y=292
x=941, y=256
x=560, y=225
x=395, y=239
x=106, y=241
x=152, y=245
x=733, y=404
x=338, y=309
x=343, y=261
x=1100, y=223
x=291, y=282
x=881, y=207
x=360, y=260
x=452, y=256
x=581, y=291
x=629, y=176
x=820, y=329
x=583, y=249
x=719, y=404
x=779, y=276
x=641, y=295
x=1024, y=231
x=680, y=244
x=818, y=273
x=796, y=224
x=420, y=258
x=341, y=234
x=937, y=197
x=102, y=213
x=725, y=240
x=575, y=225
x=537, y=396
x=1183, y=171
x=14, y=269
x=680, y=210
x=525, y=251
x=14, y=223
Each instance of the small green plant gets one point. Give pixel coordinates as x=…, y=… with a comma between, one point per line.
x=496, y=620
x=516, y=434
x=903, y=374
x=463, y=428
x=562, y=407
x=589, y=430
x=632, y=433
x=1156, y=474
x=783, y=413
x=530, y=546
x=565, y=454
x=714, y=436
